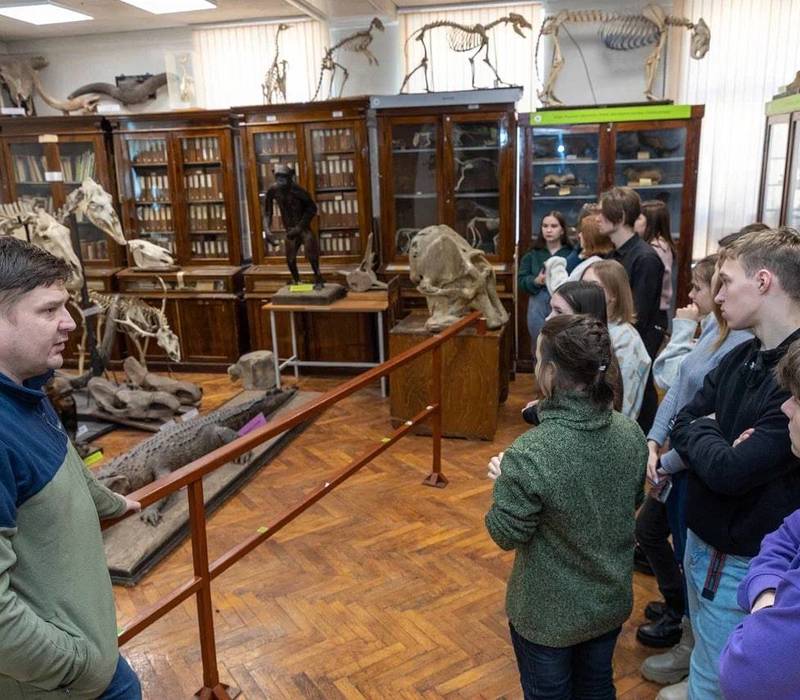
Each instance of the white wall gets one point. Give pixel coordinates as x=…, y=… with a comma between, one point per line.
x=76, y=61
x=386, y=46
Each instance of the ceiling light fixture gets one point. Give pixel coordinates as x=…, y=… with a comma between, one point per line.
x=44, y=12
x=163, y=7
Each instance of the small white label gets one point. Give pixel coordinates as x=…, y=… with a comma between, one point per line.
x=82, y=430
x=571, y=156
x=338, y=197
x=473, y=106
x=643, y=155
x=337, y=113
x=108, y=108
x=333, y=156
x=563, y=191
x=48, y=138
x=272, y=118
x=53, y=176
x=13, y=111
x=189, y=415
x=645, y=181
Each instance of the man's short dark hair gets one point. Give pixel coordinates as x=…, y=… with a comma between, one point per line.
x=621, y=205
x=23, y=267
x=731, y=237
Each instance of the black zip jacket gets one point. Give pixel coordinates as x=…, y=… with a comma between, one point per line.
x=737, y=495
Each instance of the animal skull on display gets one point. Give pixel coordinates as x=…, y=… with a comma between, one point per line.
x=518, y=23
x=91, y=200
x=150, y=256
x=701, y=39
x=55, y=238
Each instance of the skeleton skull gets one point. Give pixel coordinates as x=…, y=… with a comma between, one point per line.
x=150, y=256
x=519, y=22
x=170, y=343
x=701, y=39
x=55, y=238
x=91, y=200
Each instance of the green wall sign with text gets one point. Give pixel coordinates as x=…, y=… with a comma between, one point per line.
x=594, y=115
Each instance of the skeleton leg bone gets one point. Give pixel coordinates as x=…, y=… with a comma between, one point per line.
x=651, y=67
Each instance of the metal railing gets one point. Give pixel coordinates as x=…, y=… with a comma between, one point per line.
x=192, y=474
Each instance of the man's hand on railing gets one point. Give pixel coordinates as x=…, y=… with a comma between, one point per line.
x=131, y=506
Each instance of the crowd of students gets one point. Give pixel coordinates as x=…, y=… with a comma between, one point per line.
x=718, y=458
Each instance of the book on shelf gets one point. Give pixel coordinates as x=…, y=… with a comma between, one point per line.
x=148, y=151
x=341, y=211
x=333, y=140
x=30, y=168
x=277, y=143
x=336, y=242
x=204, y=185
x=200, y=149
x=157, y=218
x=78, y=168
x=207, y=217
x=152, y=187
x=210, y=247
x=334, y=171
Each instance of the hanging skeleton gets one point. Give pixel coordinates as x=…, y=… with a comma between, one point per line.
x=462, y=38
x=356, y=43
x=274, y=84
x=470, y=164
x=622, y=32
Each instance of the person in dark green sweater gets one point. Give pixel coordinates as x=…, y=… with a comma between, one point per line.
x=552, y=240
x=564, y=499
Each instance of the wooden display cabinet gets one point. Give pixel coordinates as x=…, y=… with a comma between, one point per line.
x=326, y=144
x=451, y=165
x=779, y=196
x=177, y=184
x=202, y=308
x=44, y=158
x=569, y=158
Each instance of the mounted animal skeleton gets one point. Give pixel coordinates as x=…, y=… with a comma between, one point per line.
x=274, y=84
x=462, y=38
x=622, y=32
x=141, y=322
x=356, y=43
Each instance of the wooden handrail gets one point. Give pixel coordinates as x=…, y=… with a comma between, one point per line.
x=192, y=474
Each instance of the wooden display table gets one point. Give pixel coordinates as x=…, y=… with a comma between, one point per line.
x=376, y=303
x=475, y=371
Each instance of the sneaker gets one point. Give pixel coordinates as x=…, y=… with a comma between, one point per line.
x=672, y=666
x=679, y=691
x=664, y=632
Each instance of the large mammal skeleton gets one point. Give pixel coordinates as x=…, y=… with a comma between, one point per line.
x=356, y=43
x=622, y=32
x=463, y=38
x=274, y=84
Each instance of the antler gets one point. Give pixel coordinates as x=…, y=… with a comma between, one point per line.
x=128, y=322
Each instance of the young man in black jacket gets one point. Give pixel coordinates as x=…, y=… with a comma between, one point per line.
x=739, y=489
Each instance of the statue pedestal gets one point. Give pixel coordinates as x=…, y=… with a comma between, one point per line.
x=308, y=296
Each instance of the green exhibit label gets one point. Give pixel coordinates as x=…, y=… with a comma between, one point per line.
x=592, y=115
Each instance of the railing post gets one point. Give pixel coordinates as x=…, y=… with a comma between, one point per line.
x=436, y=478
x=212, y=688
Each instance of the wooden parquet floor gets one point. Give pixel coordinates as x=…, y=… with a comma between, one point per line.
x=384, y=589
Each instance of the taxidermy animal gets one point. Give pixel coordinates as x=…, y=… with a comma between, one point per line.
x=462, y=38
x=622, y=32
x=356, y=43
x=141, y=322
x=133, y=404
x=137, y=377
x=274, y=84
x=453, y=277
x=176, y=446
x=129, y=92
x=149, y=256
x=363, y=277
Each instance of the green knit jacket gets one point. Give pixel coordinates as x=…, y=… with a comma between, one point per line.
x=565, y=501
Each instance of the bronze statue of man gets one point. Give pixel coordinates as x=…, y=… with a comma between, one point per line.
x=297, y=209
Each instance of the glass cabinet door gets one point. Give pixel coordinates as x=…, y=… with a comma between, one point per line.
x=272, y=148
x=565, y=173
x=793, y=199
x=206, y=215
x=477, y=148
x=414, y=176
x=29, y=165
x=334, y=155
x=77, y=160
x=774, y=169
x=149, y=173
x=652, y=162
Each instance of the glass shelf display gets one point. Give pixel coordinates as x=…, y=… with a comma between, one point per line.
x=774, y=173
x=204, y=189
x=793, y=203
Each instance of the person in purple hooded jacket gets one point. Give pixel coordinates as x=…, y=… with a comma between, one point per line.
x=760, y=659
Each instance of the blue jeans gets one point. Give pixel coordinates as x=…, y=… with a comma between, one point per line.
x=579, y=672
x=712, y=620
x=124, y=685
x=538, y=311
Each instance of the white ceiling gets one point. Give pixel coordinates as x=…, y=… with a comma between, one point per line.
x=116, y=16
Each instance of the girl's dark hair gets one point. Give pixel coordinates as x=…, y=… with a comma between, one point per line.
x=538, y=242
x=580, y=349
x=703, y=271
x=656, y=215
x=585, y=298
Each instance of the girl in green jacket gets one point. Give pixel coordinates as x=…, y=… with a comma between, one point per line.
x=565, y=501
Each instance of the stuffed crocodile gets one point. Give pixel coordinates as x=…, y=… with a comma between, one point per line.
x=178, y=445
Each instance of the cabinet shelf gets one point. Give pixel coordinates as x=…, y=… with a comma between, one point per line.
x=205, y=201
x=431, y=195
x=645, y=161
x=159, y=164
x=336, y=189
x=463, y=195
x=476, y=148
x=209, y=232
x=320, y=155
x=670, y=186
x=29, y=183
x=152, y=202
x=564, y=196
x=202, y=162
x=565, y=161
x=414, y=150
x=267, y=157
